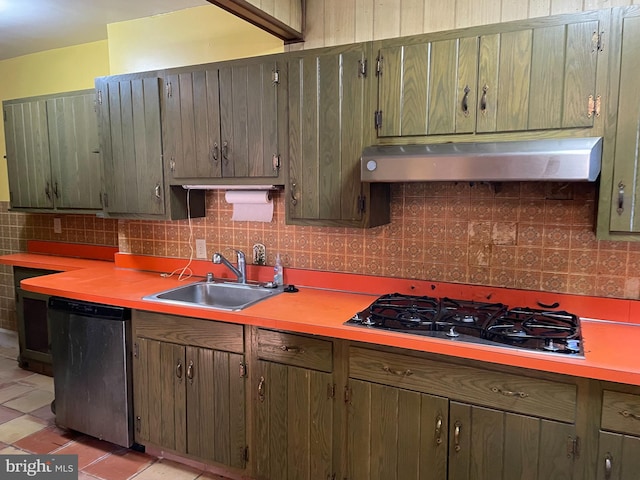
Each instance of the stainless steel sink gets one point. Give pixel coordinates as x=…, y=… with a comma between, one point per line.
x=221, y=296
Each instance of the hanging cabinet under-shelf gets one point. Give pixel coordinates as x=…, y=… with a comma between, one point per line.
x=533, y=75
x=226, y=121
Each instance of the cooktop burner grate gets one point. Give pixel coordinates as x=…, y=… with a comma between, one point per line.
x=478, y=322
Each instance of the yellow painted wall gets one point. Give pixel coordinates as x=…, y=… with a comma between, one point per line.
x=52, y=71
x=186, y=37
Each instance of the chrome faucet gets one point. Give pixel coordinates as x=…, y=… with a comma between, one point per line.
x=240, y=272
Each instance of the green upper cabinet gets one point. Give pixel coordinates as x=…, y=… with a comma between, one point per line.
x=52, y=152
x=226, y=121
x=620, y=179
x=520, y=76
x=132, y=154
x=327, y=102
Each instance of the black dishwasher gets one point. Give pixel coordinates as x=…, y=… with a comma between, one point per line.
x=91, y=353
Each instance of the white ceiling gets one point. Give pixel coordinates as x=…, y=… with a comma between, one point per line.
x=29, y=26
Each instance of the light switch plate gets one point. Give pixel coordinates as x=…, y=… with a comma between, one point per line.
x=201, y=248
x=57, y=225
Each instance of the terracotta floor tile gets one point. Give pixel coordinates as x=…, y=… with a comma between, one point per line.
x=7, y=414
x=39, y=381
x=13, y=390
x=14, y=430
x=44, y=413
x=32, y=400
x=119, y=465
x=88, y=450
x=46, y=441
x=9, y=370
x=166, y=469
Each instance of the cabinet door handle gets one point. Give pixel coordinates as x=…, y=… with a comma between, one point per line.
x=465, y=101
x=190, y=371
x=439, y=430
x=628, y=414
x=157, y=191
x=179, y=370
x=225, y=152
x=214, y=152
x=55, y=189
x=286, y=348
x=509, y=393
x=47, y=190
x=138, y=424
x=261, y=390
x=294, y=200
x=483, y=99
x=608, y=466
x=456, y=436
x=620, y=208
x=400, y=373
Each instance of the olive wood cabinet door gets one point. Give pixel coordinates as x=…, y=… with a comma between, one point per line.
x=326, y=113
x=294, y=421
x=28, y=161
x=74, y=152
x=396, y=434
x=224, y=121
x=619, y=457
x=131, y=145
x=190, y=400
x=485, y=444
x=529, y=76
x=624, y=184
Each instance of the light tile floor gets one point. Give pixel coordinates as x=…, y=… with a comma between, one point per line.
x=27, y=426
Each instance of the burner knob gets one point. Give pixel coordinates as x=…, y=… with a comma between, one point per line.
x=368, y=321
x=357, y=317
x=452, y=333
x=573, y=345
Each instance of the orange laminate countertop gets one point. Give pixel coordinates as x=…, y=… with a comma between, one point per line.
x=610, y=346
x=50, y=262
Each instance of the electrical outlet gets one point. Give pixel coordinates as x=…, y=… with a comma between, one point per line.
x=57, y=225
x=201, y=248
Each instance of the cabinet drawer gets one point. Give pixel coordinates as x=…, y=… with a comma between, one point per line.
x=621, y=412
x=189, y=331
x=295, y=350
x=516, y=393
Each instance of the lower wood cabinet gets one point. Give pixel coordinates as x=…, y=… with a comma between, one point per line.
x=189, y=387
x=294, y=402
x=619, y=446
x=407, y=421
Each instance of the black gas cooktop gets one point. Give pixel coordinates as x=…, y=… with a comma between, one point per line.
x=551, y=331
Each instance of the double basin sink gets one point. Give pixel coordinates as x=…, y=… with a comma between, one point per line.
x=215, y=295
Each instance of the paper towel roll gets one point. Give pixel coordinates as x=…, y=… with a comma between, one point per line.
x=250, y=205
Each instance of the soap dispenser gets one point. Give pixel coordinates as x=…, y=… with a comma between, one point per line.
x=278, y=276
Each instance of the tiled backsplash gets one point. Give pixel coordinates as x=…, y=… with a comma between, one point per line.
x=536, y=236
x=17, y=228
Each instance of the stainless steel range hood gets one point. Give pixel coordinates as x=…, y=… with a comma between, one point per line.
x=565, y=159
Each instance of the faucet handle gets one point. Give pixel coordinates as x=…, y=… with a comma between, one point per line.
x=240, y=254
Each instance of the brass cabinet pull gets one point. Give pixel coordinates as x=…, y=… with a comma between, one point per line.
x=439, y=430
x=286, y=348
x=261, y=390
x=621, y=187
x=509, y=393
x=190, y=371
x=214, y=152
x=179, y=370
x=465, y=101
x=157, y=190
x=225, y=152
x=400, y=373
x=483, y=99
x=294, y=200
x=628, y=414
x=456, y=436
x=608, y=465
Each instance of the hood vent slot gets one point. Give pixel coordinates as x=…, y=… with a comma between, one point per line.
x=565, y=159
